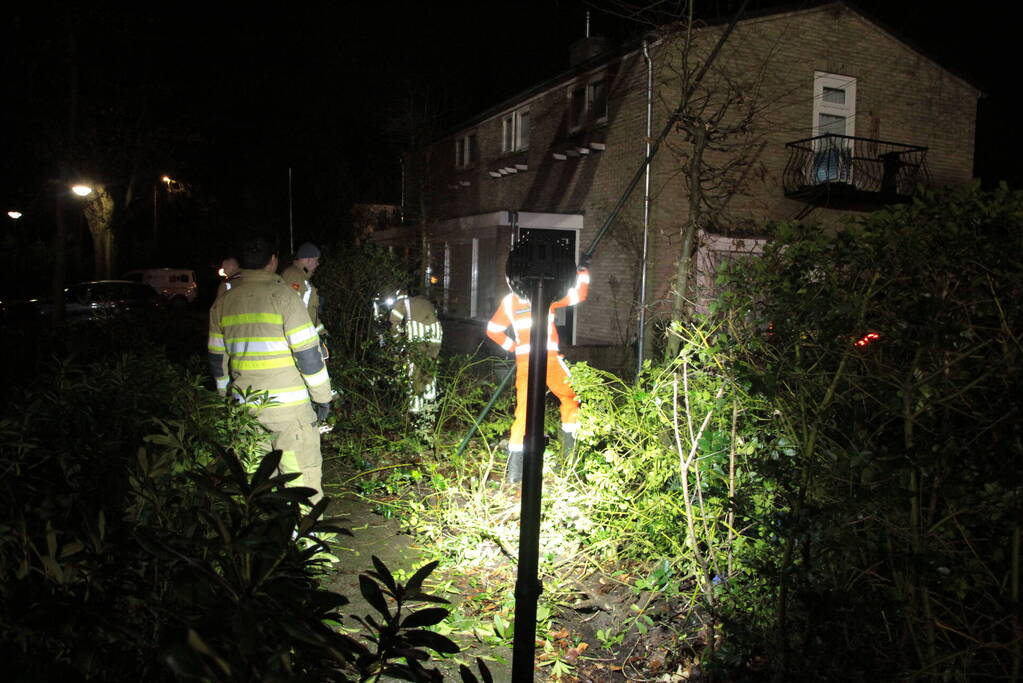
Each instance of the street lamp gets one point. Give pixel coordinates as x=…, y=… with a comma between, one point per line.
x=60, y=247
x=14, y=215
x=170, y=183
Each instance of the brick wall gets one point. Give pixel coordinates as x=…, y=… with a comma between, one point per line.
x=902, y=96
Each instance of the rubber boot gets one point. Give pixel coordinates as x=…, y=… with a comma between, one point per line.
x=567, y=447
x=513, y=475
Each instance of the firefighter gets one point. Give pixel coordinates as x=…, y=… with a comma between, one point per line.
x=228, y=269
x=514, y=312
x=297, y=276
x=414, y=318
x=262, y=340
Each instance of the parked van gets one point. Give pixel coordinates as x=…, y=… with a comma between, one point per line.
x=176, y=285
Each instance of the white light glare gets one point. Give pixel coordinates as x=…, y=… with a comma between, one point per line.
x=14, y=214
x=81, y=190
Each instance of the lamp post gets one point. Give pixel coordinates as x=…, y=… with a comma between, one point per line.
x=539, y=269
x=167, y=182
x=60, y=247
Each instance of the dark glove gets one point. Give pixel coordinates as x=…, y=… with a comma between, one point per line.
x=322, y=411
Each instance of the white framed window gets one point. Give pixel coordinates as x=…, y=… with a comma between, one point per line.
x=834, y=124
x=465, y=150
x=515, y=131
x=834, y=104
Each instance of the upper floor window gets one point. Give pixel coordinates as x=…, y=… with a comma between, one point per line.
x=834, y=104
x=834, y=123
x=515, y=131
x=596, y=100
x=587, y=102
x=465, y=150
x=577, y=107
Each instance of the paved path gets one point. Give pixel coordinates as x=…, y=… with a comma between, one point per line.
x=373, y=534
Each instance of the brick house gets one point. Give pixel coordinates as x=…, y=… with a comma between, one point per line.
x=843, y=116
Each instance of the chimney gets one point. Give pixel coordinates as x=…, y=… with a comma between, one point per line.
x=587, y=47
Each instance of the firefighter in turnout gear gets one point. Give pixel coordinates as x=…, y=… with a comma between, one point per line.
x=514, y=312
x=262, y=345
x=415, y=319
x=297, y=276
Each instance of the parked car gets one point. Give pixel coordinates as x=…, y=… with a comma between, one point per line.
x=14, y=311
x=103, y=299
x=177, y=286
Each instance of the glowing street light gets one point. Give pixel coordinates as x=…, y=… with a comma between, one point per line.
x=80, y=190
x=14, y=215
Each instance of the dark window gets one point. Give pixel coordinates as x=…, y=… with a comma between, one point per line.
x=577, y=107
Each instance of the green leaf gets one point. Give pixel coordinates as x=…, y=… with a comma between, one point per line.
x=415, y=583
x=425, y=617
x=268, y=466
x=434, y=641
x=384, y=574
x=371, y=591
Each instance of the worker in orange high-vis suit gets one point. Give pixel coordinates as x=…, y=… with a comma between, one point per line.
x=516, y=313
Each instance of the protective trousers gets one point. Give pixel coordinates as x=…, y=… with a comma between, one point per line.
x=558, y=375
x=299, y=442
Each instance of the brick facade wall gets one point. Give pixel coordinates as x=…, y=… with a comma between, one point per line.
x=901, y=96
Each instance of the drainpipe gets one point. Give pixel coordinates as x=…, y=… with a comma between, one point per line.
x=641, y=336
x=401, y=204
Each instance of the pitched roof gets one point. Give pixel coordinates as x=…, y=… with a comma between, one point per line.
x=634, y=45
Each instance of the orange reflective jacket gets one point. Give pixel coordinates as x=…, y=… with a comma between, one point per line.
x=515, y=313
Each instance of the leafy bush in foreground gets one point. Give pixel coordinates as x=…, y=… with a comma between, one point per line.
x=142, y=537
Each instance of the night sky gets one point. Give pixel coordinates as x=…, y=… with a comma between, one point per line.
x=228, y=97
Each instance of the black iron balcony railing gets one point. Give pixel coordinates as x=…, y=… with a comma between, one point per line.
x=828, y=167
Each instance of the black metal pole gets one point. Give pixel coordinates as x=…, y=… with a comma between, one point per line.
x=486, y=409
x=527, y=583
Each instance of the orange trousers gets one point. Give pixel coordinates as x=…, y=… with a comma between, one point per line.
x=557, y=381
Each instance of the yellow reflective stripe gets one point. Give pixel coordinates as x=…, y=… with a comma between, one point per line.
x=222, y=382
x=278, y=338
x=317, y=378
x=248, y=318
x=289, y=465
x=262, y=354
x=268, y=364
x=292, y=396
x=216, y=342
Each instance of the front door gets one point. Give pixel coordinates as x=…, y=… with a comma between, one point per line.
x=834, y=117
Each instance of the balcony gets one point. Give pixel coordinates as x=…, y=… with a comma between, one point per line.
x=849, y=172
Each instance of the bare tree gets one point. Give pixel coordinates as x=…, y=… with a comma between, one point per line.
x=710, y=129
x=413, y=127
